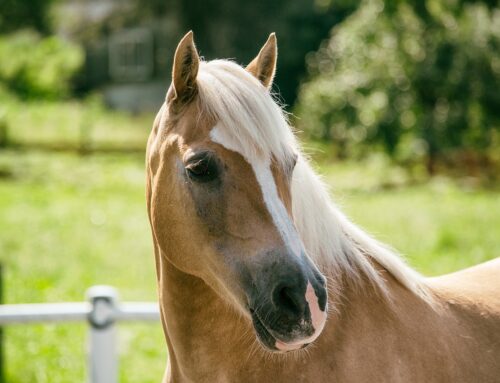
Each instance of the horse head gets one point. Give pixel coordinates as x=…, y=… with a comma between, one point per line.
x=221, y=160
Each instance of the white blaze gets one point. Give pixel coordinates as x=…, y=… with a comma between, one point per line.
x=264, y=176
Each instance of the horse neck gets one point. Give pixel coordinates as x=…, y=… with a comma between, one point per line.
x=400, y=326
x=209, y=341
x=198, y=324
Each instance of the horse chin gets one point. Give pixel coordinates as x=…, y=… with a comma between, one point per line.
x=270, y=342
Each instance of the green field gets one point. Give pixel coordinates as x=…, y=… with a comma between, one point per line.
x=72, y=124
x=68, y=222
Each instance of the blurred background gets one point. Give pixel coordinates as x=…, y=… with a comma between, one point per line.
x=397, y=103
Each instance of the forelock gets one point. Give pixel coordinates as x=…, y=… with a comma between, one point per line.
x=246, y=113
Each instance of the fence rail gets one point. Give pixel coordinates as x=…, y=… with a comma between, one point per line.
x=102, y=310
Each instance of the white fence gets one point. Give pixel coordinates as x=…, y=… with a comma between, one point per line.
x=102, y=310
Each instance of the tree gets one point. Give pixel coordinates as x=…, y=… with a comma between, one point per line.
x=238, y=28
x=17, y=14
x=38, y=67
x=416, y=78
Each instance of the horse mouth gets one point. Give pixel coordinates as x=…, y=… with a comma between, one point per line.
x=269, y=341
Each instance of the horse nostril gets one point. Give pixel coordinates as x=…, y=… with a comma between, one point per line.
x=321, y=293
x=289, y=299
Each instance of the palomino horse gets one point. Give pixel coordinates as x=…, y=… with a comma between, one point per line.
x=246, y=237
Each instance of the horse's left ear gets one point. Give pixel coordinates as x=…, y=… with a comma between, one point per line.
x=184, y=71
x=263, y=66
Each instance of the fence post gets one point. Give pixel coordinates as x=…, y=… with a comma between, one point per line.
x=102, y=353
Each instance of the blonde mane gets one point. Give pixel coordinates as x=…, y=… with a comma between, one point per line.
x=257, y=125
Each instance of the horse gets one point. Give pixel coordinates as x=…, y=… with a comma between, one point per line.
x=261, y=278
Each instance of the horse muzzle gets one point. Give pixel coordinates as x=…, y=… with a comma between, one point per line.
x=292, y=313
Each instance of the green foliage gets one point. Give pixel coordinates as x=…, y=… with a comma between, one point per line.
x=32, y=66
x=15, y=14
x=418, y=79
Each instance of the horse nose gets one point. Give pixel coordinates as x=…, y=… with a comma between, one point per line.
x=319, y=286
x=289, y=298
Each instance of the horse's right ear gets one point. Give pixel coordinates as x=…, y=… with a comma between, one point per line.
x=184, y=71
x=263, y=67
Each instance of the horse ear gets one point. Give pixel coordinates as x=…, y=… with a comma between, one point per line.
x=184, y=71
x=263, y=66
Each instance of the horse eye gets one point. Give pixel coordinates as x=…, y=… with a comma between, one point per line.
x=202, y=168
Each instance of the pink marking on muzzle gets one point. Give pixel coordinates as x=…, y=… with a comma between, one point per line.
x=318, y=319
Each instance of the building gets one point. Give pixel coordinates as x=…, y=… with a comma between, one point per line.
x=128, y=58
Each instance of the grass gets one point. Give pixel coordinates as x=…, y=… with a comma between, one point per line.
x=73, y=124
x=439, y=224
x=68, y=222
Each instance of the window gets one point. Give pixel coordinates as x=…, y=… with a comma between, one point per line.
x=131, y=55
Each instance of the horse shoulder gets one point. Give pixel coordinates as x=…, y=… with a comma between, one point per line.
x=469, y=311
